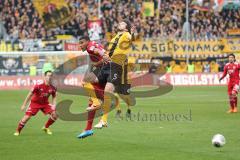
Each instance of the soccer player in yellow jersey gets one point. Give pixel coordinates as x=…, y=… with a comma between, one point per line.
x=115, y=73
x=131, y=68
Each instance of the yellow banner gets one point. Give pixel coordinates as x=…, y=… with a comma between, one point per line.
x=53, y=12
x=148, y=9
x=196, y=47
x=64, y=37
x=7, y=47
x=210, y=47
x=233, y=32
x=231, y=45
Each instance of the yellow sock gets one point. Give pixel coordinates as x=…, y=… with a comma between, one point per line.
x=117, y=103
x=91, y=91
x=106, y=107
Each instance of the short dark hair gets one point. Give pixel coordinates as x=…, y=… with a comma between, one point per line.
x=231, y=55
x=46, y=72
x=129, y=25
x=84, y=38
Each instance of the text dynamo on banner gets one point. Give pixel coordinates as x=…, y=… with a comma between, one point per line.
x=208, y=47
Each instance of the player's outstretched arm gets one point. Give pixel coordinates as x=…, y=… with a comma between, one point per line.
x=133, y=29
x=106, y=57
x=224, y=74
x=27, y=99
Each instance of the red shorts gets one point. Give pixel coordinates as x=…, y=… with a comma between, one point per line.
x=233, y=88
x=35, y=107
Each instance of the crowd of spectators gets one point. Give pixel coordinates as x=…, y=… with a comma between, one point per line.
x=182, y=67
x=22, y=21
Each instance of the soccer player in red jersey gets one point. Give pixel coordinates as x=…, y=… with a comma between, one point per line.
x=39, y=96
x=96, y=52
x=95, y=90
x=232, y=69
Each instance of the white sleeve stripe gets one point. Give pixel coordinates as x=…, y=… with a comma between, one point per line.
x=101, y=52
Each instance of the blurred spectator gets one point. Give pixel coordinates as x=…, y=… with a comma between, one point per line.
x=21, y=20
x=3, y=32
x=191, y=67
x=214, y=67
x=183, y=67
x=198, y=67
x=168, y=67
x=32, y=70
x=153, y=68
x=220, y=66
x=206, y=67
x=14, y=36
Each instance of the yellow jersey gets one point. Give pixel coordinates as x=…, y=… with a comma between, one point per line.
x=119, y=47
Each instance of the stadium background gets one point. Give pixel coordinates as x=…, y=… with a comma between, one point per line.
x=171, y=37
x=164, y=32
x=39, y=35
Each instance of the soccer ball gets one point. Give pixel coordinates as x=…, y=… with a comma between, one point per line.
x=218, y=140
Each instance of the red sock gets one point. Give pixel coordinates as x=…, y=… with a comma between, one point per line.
x=91, y=115
x=232, y=102
x=49, y=122
x=235, y=100
x=20, y=126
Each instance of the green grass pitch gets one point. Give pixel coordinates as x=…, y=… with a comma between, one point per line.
x=140, y=138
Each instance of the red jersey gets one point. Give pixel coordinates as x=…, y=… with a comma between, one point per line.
x=42, y=92
x=90, y=49
x=232, y=69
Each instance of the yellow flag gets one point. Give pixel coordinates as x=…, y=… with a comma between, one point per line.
x=148, y=9
x=53, y=12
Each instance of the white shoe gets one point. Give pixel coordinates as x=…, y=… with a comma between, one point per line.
x=16, y=134
x=100, y=125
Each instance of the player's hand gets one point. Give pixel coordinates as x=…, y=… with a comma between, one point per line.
x=53, y=106
x=106, y=58
x=22, y=107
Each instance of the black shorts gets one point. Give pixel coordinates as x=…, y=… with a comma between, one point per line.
x=101, y=73
x=115, y=74
x=123, y=89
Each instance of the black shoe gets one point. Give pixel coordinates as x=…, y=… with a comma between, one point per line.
x=118, y=114
x=128, y=113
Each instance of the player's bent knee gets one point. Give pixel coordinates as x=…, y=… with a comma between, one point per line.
x=109, y=88
x=26, y=118
x=54, y=116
